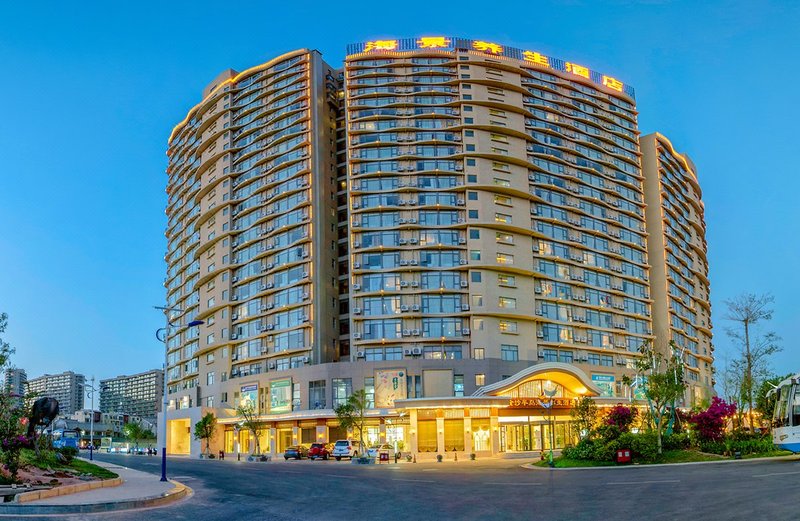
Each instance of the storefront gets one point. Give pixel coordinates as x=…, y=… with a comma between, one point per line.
x=529, y=411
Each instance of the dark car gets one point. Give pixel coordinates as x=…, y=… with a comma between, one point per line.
x=295, y=452
x=320, y=450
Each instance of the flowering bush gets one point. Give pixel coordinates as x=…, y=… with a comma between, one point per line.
x=15, y=443
x=621, y=417
x=710, y=424
x=10, y=450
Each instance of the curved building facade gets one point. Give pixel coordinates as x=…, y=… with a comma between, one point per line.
x=436, y=216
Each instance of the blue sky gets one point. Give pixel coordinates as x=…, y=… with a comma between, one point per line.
x=91, y=93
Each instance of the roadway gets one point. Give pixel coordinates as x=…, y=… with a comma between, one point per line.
x=464, y=490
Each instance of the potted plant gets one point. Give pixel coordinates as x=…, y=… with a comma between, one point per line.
x=204, y=430
x=439, y=458
x=472, y=456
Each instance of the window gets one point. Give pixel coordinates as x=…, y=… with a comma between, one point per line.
x=477, y=324
x=469, y=133
x=475, y=276
x=507, y=303
x=472, y=196
x=369, y=391
x=480, y=379
x=504, y=258
x=507, y=326
x=550, y=355
x=342, y=389
x=477, y=301
x=458, y=385
x=473, y=214
x=316, y=394
x=475, y=255
x=504, y=238
x=478, y=353
x=507, y=280
x=210, y=338
x=502, y=199
x=502, y=218
x=471, y=162
x=509, y=352
x=210, y=378
x=565, y=357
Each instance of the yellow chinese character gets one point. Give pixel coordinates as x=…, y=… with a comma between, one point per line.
x=535, y=57
x=578, y=70
x=612, y=83
x=381, y=45
x=432, y=42
x=487, y=47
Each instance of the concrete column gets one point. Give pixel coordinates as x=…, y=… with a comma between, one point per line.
x=440, y=436
x=412, y=426
x=273, y=441
x=495, y=427
x=296, y=435
x=468, y=435
x=382, y=432
x=322, y=434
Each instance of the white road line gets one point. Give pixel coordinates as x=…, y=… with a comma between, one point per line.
x=512, y=484
x=340, y=476
x=414, y=480
x=644, y=482
x=775, y=474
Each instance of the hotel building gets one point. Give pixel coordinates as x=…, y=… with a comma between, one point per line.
x=136, y=395
x=66, y=387
x=455, y=226
x=15, y=384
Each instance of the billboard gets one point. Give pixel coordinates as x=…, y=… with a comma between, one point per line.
x=605, y=382
x=390, y=385
x=248, y=396
x=280, y=396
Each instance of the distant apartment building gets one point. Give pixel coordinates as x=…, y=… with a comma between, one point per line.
x=135, y=395
x=15, y=380
x=66, y=387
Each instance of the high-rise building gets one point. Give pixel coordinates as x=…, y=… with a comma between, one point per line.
x=677, y=251
x=66, y=387
x=15, y=382
x=136, y=395
x=440, y=219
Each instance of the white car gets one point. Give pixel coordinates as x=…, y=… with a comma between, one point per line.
x=346, y=449
x=375, y=450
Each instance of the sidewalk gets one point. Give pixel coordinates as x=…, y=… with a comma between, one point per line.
x=138, y=490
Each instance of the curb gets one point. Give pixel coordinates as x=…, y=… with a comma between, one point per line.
x=531, y=466
x=35, y=495
x=178, y=491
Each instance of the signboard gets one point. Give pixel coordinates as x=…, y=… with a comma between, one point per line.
x=248, y=396
x=280, y=396
x=638, y=387
x=606, y=384
x=543, y=402
x=450, y=43
x=390, y=385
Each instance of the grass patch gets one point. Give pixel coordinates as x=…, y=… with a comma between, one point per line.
x=769, y=454
x=686, y=456
x=565, y=463
x=48, y=461
x=669, y=456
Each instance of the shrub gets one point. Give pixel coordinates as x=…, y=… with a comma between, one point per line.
x=621, y=417
x=605, y=451
x=608, y=432
x=584, y=450
x=712, y=447
x=68, y=452
x=679, y=441
x=710, y=424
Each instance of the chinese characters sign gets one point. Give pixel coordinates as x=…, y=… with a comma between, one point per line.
x=558, y=403
x=248, y=396
x=390, y=385
x=450, y=43
x=280, y=396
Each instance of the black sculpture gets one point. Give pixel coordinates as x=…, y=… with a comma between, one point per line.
x=43, y=412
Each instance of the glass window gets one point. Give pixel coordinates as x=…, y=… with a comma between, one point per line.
x=480, y=379
x=509, y=352
x=478, y=353
x=458, y=385
x=507, y=303
x=316, y=394
x=342, y=389
x=369, y=391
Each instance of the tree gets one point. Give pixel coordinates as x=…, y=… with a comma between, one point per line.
x=135, y=432
x=12, y=415
x=584, y=415
x=205, y=428
x=621, y=417
x=710, y=423
x=351, y=414
x=247, y=411
x=663, y=382
x=747, y=311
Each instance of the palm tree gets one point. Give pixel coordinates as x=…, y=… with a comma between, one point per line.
x=204, y=429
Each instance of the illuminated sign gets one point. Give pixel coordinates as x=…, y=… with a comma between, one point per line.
x=535, y=57
x=453, y=43
x=249, y=396
x=612, y=83
x=390, y=385
x=558, y=403
x=604, y=382
x=381, y=45
x=433, y=42
x=280, y=396
x=578, y=70
x=487, y=47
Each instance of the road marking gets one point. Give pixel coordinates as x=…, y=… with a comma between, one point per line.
x=644, y=482
x=339, y=476
x=512, y=484
x=414, y=480
x=429, y=470
x=183, y=478
x=775, y=474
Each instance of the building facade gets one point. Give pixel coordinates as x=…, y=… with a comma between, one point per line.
x=438, y=215
x=66, y=387
x=15, y=383
x=138, y=395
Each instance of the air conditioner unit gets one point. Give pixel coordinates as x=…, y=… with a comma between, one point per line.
x=463, y=262
x=356, y=287
x=270, y=285
x=306, y=360
x=464, y=307
x=540, y=354
x=402, y=242
x=269, y=305
x=234, y=356
x=414, y=284
x=416, y=351
x=356, y=311
x=415, y=307
x=357, y=336
x=401, y=202
x=407, y=352
x=465, y=284
x=234, y=316
x=234, y=336
x=413, y=241
x=356, y=206
x=305, y=274
x=461, y=220
x=413, y=262
x=462, y=240
x=538, y=312
x=403, y=284
x=401, y=221
x=461, y=202
x=403, y=308
x=412, y=202
x=406, y=332
x=272, y=365
x=415, y=332
x=356, y=265
x=412, y=221
x=403, y=262
x=356, y=223
x=234, y=298
x=465, y=331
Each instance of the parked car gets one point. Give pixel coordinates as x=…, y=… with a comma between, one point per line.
x=320, y=450
x=295, y=452
x=347, y=449
x=377, y=449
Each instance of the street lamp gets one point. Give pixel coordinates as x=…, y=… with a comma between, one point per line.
x=547, y=403
x=91, y=392
x=162, y=334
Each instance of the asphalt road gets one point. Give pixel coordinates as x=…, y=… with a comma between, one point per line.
x=464, y=490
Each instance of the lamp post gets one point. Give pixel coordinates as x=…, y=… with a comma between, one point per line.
x=164, y=334
x=547, y=403
x=92, y=390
